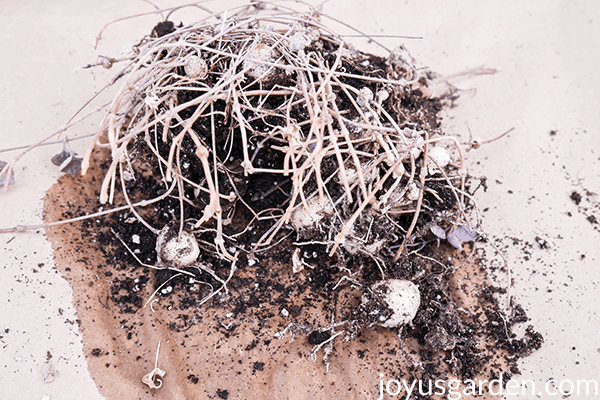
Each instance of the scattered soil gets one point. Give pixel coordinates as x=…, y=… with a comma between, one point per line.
x=231, y=346
x=588, y=205
x=576, y=197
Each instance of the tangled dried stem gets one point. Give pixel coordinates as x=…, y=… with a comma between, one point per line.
x=224, y=105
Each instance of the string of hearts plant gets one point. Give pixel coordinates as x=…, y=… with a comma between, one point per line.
x=263, y=123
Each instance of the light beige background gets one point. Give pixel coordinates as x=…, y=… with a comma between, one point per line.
x=547, y=53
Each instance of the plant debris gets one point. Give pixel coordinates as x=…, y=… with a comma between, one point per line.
x=268, y=126
x=266, y=178
x=67, y=160
x=4, y=179
x=49, y=373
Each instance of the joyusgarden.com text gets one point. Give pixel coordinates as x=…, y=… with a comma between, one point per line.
x=455, y=389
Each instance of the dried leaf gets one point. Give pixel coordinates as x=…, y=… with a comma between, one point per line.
x=67, y=160
x=464, y=234
x=438, y=231
x=453, y=240
x=152, y=379
x=461, y=234
x=49, y=373
x=11, y=177
x=59, y=158
x=73, y=166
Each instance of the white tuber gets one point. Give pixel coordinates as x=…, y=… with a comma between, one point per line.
x=305, y=218
x=382, y=95
x=196, y=68
x=298, y=42
x=440, y=158
x=256, y=61
x=401, y=297
x=176, y=250
x=365, y=96
x=412, y=193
